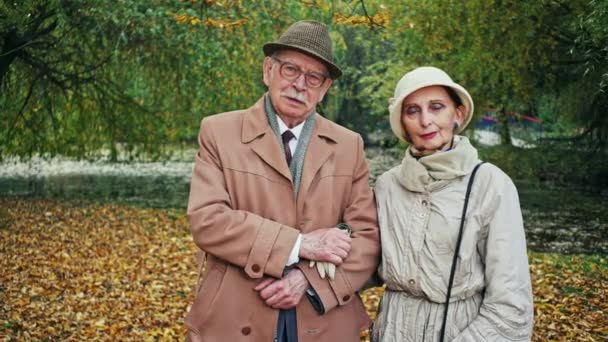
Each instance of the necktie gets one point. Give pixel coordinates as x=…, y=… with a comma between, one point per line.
x=287, y=136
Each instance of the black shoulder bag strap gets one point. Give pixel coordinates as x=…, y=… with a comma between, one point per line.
x=451, y=281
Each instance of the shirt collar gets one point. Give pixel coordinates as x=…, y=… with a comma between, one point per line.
x=297, y=130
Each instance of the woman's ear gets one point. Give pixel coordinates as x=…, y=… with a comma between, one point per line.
x=460, y=113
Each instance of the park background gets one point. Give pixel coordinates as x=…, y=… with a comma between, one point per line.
x=100, y=105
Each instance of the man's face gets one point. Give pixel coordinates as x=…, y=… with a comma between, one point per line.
x=293, y=99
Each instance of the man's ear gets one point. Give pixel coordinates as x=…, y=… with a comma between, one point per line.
x=324, y=89
x=267, y=70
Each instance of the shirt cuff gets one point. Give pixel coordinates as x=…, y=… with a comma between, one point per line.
x=295, y=252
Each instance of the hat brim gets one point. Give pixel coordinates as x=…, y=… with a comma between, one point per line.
x=396, y=106
x=334, y=70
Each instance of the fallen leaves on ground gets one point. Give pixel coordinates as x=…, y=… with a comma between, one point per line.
x=570, y=297
x=110, y=272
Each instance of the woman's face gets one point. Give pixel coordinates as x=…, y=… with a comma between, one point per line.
x=428, y=116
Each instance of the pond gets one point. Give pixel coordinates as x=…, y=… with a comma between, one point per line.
x=556, y=220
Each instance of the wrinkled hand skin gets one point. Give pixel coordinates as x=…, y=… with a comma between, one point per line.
x=326, y=244
x=283, y=293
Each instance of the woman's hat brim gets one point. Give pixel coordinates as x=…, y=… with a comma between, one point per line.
x=396, y=104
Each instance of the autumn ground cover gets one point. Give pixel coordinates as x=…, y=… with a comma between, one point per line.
x=84, y=271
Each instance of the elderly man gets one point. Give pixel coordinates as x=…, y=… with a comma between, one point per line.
x=270, y=185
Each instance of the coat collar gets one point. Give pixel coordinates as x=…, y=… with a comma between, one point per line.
x=257, y=131
x=320, y=148
x=255, y=122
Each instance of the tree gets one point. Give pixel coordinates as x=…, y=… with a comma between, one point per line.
x=77, y=77
x=584, y=67
x=80, y=76
x=57, y=76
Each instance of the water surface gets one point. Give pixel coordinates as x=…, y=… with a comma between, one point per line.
x=556, y=219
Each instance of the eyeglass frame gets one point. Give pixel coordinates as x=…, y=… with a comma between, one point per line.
x=300, y=72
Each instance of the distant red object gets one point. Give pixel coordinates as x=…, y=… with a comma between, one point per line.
x=488, y=118
x=514, y=114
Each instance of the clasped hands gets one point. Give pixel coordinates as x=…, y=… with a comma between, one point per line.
x=326, y=248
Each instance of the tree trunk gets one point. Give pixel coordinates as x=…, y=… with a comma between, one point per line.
x=352, y=116
x=8, y=53
x=503, y=121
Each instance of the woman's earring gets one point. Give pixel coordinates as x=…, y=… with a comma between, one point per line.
x=455, y=126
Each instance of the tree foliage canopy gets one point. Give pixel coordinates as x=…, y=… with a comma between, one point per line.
x=80, y=76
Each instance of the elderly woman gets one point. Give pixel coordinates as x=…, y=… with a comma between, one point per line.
x=420, y=211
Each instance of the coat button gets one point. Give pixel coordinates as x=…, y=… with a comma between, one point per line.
x=425, y=203
x=345, y=298
x=255, y=268
x=246, y=331
x=412, y=282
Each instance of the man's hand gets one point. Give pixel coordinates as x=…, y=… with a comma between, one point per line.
x=283, y=293
x=327, y=244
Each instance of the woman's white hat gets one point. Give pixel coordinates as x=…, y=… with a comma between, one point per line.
x=420, y=78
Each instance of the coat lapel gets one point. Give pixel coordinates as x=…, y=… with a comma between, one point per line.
x=258, y=133
x=320, y=147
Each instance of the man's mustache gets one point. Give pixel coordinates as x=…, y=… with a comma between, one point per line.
x=296, y=96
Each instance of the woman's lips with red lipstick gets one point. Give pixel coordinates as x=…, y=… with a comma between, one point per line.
x=428, y=136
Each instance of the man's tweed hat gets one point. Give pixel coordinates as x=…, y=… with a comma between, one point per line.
x=310, y=37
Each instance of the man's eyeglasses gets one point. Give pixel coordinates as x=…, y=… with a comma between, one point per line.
x=291, y=72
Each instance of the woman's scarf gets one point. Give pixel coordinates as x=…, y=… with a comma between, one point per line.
x=431, y=172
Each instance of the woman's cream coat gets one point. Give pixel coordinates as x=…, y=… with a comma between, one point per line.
x=491, y=296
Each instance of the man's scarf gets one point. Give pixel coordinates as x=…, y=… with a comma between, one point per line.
x=297, y=161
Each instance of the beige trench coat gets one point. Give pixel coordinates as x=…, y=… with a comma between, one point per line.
x=244, y=215
x=491, y=298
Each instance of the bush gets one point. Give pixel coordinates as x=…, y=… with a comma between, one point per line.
x=551, y=163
